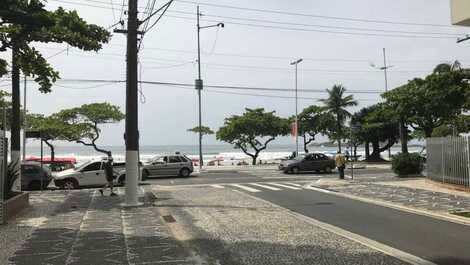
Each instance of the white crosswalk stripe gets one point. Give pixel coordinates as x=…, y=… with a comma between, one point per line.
x=265, y=186
x=245, y=188
x=285, y=186
x=292, y=184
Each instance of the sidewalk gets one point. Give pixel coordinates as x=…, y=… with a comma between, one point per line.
x=232, y=228
x=413, y=193
x=87, y=228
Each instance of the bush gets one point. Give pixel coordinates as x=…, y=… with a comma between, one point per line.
x=407, y=164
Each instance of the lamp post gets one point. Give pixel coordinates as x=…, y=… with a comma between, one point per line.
x=199, y=83
x=384, y=68
x=296, y=110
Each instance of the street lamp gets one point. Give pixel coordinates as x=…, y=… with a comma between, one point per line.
x=296, y=111
x=199, y=84
x=384, y=68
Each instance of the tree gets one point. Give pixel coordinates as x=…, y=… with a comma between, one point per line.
x=336, y=104
x=379, y=124
x=425, y=104
x=461, y=124
x=313, y=120
x=52, y=128
x=253, y=130
x=84, y=121
x=24, y=22
x=203, y=129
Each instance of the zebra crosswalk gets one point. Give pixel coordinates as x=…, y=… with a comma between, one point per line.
x=263, y=186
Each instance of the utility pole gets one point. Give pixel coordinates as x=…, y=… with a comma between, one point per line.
x=199, y=87
x=16, y=113
x=385, y=71
x=296, y=110
x=199, y=84
x=24, y=118
x=132, y=133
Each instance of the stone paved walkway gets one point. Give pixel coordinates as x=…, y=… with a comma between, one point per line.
x=90, y=229
x=410, y=197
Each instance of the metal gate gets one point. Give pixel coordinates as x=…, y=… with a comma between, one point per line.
x=448, y=160
x=3, y=175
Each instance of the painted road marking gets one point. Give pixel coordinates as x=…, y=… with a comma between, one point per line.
x=285, y=186
x=293, y=184
x=217, y=186
x=264, y=186
x=245, y=188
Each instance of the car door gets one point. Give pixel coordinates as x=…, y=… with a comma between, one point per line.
x=316, y=163
x=305, y=165
x=92, y=175
x=174, y=165
x=323, y=162
x=159, y=166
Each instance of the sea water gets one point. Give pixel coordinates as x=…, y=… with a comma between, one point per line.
x=210, y=152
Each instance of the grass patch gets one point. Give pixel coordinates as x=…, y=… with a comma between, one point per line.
x=462, y=214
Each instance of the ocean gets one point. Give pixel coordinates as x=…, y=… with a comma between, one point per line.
x=211, y=152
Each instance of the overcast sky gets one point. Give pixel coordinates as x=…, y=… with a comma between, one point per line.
x=168, y=54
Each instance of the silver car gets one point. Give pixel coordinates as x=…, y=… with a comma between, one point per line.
x=168, y=165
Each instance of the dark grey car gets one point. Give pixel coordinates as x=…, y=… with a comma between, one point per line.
x=35, y=177
x=312, y=162
x=168, y=165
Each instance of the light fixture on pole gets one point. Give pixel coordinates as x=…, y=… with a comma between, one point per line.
x=199, y=83
x=296, y=109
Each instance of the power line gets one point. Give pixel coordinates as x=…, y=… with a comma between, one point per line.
x=315, y=15
x=325, y=31
x=102, y=81
x=320, y=26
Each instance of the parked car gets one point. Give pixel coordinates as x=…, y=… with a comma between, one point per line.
x=34, y=177
x=168, y=165
x=311, y=162
x=89, y=174
x=59, y=163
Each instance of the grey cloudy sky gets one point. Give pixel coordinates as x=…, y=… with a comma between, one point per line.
x=169, y=51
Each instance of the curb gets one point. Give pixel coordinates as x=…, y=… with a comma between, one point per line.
x=443, y=217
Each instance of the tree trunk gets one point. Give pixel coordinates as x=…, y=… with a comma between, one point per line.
x=52, y=150
x=338, y=132
x=367, y=151
x=375, y=156
x=305, y=144
x=403, y=136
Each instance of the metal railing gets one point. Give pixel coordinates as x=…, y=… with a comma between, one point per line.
x=448, y=160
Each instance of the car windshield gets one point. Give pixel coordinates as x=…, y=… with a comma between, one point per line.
x=83, y=165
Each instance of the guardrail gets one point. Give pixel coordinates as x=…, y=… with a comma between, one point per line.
x=448, y=160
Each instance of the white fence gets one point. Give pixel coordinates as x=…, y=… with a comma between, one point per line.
x=448, y=160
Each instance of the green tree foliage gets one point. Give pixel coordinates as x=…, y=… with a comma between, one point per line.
x=379, y=124
x=428, y=103
x=25, y=22
x=52, y=128
x=203, y=129
x=337, y=104
x=253, y=130
x=84, y=122
x=461, y=124
x=314, y=120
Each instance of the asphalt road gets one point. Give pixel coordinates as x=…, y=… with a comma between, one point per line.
x=441, y=242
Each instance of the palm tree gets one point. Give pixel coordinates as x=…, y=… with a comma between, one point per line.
x=336, y=104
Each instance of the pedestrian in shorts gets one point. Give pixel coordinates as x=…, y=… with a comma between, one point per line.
x=109, y=172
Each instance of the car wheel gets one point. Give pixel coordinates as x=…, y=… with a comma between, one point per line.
x=122, y=180
x=295, y=170
x=70, y=184
x=184, y=172
x=145, y=174
x=328, y=169
x=35, y=185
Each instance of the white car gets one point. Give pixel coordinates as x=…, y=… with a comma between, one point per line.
x=89, y=174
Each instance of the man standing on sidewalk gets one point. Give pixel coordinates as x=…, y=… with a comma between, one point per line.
x=109, y=172
x=340, y=161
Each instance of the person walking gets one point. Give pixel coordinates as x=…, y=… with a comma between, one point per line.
x=109, y=172
x=340, y=161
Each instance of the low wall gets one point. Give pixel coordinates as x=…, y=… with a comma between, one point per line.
x=16, y=204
